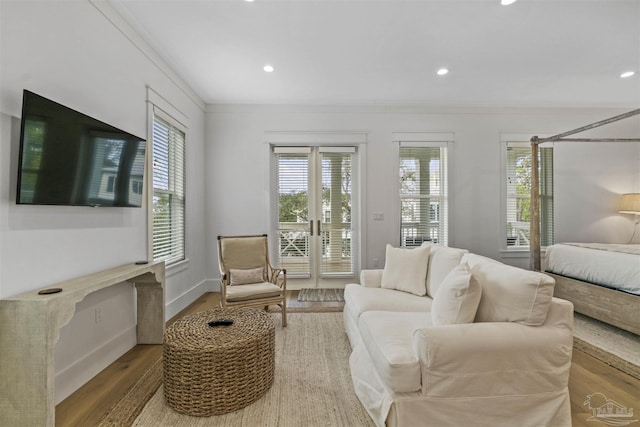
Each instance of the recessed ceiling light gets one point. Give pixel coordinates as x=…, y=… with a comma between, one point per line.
x=268, y=68
x=442, y=71
x=507, y=2
x=249, y=1
x=627, y=74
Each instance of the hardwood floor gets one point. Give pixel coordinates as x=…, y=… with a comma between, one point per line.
x=88, y=404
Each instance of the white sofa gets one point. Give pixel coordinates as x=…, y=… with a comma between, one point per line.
x=508, y=366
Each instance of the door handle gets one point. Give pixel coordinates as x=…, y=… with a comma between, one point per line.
x=319, y=222
x=311, y=226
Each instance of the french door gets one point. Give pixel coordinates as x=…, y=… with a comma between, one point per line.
x=314, y=208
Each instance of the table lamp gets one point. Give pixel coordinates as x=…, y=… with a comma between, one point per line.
x=630, y=204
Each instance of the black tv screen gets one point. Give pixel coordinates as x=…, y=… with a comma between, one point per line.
x=69, y=158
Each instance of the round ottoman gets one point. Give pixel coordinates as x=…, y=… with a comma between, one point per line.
x=214, y=370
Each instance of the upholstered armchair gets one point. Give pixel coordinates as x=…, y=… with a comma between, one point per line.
x=248, y=278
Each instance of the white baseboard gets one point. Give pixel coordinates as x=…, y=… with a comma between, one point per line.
x=181, y=302
x=88, y=366
x=71, y=378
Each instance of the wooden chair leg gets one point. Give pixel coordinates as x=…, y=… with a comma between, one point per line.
x=284, y=314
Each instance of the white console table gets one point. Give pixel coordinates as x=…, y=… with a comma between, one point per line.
x=30, y=326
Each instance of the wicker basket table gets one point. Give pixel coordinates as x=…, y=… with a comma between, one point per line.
x=215, y=370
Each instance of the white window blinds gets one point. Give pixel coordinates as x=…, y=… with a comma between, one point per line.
x=336, y=230
x=518, y=185
x=423, y=195
x=168, y=189
x=293, y=227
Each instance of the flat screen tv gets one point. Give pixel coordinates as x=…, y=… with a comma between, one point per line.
x=69, y=158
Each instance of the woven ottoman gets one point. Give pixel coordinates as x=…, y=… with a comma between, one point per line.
x=215, y=370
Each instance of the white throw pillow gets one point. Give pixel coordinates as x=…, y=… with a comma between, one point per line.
x=406, y=269
x=511, y=294
x=442, y=260
x=246, y=276
x=457, y=298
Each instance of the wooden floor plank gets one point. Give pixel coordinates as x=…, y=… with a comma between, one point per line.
x=88, y=404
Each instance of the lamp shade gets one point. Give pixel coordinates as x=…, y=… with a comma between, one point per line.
x=630, y=203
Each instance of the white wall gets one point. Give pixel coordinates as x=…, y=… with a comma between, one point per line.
x=70, y=52
x=589, y=176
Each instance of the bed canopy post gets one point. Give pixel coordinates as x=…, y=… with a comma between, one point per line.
x=534, y=209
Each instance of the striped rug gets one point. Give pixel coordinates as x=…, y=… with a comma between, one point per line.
x=321, y=295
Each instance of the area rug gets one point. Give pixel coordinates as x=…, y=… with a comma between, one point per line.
x=129, y=407
x=613, y=346
x=321, y=295
x=312, y=385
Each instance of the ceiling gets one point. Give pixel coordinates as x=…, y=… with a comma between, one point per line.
x=534, y=53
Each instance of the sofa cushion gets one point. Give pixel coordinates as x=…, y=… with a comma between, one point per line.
x=388, y=337
x=406, y=269
x=457, y=298
x=442, y=260
x=511, y=294
x=359, y=299
x=473, y=259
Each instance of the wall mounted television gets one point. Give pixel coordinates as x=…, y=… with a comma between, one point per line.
x=69, y=158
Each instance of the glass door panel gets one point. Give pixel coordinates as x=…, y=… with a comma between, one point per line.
x=293, y=226
x=336, y=214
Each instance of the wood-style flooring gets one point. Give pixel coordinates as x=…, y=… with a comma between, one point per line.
x=88, y=404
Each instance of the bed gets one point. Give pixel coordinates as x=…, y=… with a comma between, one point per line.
x=616, y=307
x=601, y=280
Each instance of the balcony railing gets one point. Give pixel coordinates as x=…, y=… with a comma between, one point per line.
x=414, y=233
x=295, y=250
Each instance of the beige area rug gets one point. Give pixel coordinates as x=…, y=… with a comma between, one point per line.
x=321, y=295
x=290, y=309
x=312, y=385
x=613, y=346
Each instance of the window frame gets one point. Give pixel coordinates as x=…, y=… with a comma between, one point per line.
x=181, y=256
x=522, y=141
x=426, y=140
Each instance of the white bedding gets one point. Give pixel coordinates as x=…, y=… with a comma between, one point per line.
x=614, y=266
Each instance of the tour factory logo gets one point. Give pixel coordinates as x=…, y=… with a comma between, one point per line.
x=608, y=411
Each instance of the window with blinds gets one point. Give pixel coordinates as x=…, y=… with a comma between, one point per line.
x=168, y=189
x=518, y=197
x=423, y=195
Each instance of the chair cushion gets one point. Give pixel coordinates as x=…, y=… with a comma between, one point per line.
x=442, y=260
x=245, y=276
x=252, y=291
x=457, y=298
x=406, y=269
x=511, y=294
x=359, y=299
x=388, y=337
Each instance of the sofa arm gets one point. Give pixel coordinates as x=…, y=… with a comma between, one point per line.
x=493, y=359
x=371, y=278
